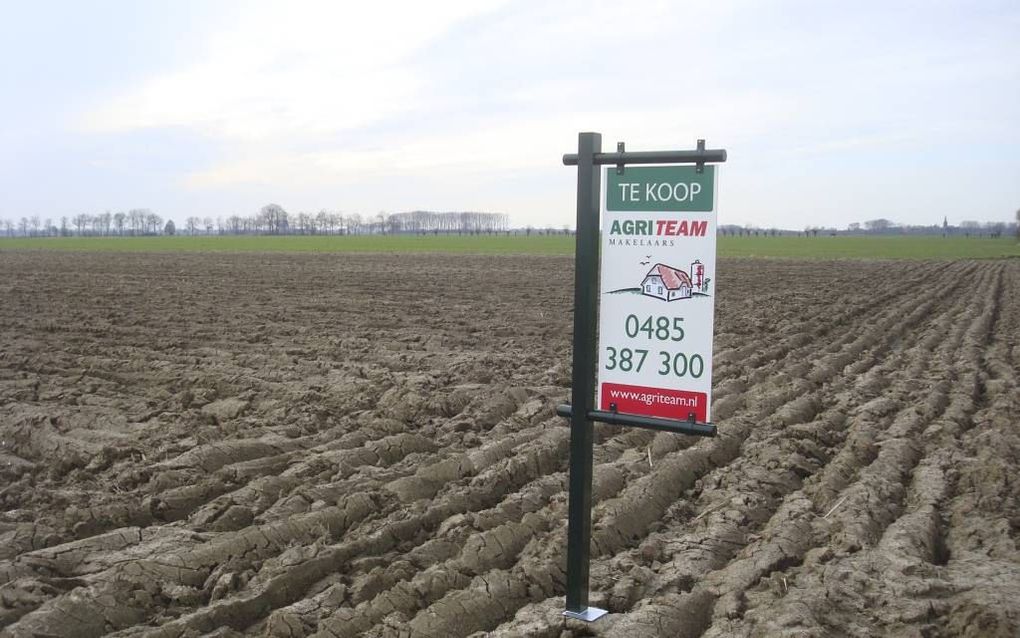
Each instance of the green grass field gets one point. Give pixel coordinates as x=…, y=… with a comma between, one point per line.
x=484, y=244
x=773, y=247
x=870, y=247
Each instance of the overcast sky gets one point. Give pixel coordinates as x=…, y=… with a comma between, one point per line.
x=831, y=112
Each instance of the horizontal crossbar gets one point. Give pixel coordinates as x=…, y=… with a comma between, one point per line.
x=692, y=427
x=704, y=156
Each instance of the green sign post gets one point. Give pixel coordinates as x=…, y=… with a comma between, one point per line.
x=641, y=190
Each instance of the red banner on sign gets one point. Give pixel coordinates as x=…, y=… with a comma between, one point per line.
x=656, y=402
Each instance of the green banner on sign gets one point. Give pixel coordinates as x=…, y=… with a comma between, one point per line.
x=661, y=188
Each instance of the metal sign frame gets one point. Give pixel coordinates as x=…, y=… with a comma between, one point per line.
x=581, y=411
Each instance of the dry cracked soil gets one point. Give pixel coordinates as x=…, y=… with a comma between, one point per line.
x=335, y=445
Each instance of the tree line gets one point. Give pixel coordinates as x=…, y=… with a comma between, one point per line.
x=137, y=221
x=882, y=226
x=271, y=219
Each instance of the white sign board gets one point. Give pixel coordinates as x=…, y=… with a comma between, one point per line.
x=657, y=292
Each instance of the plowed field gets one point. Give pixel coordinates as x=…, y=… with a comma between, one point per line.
x=297, y=445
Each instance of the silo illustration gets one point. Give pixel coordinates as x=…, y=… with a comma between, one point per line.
x=698, y=274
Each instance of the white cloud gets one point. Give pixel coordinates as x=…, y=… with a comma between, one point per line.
x=326, y=99
x=286, y=89
x=500, y=144
x=296, y=69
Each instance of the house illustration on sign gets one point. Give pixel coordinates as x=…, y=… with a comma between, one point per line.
x=669, y=283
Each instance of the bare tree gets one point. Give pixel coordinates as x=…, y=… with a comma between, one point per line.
x=274, y=218
x=153, y=222
x=136, y=220
x=878, y=225
x=322, y=221
x=81, y=220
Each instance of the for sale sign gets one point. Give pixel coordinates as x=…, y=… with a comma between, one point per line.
x=657, y=302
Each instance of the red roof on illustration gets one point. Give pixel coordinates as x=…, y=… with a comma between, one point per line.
x=671, y=277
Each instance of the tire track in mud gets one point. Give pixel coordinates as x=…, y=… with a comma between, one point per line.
x=981, y=510
x=490, y=488
x=800, y=328
x=629, y=517
x=194, y=576
x=713, y=547
x=900, y=529
x=497, y=527
x=440, y=630
x=472, y=461
x=788, y=533
x=636, y=521
x=426, y=498
x=193, y=488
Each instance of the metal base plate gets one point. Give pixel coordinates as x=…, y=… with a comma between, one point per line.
x=590, y=614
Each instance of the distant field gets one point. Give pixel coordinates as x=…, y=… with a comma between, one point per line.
x=776, y=247
x=869, y=247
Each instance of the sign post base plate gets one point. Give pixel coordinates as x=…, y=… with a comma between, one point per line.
x=590, y=614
